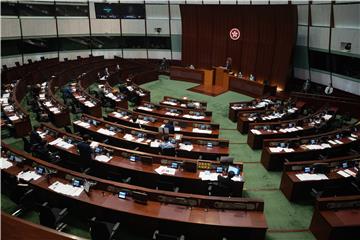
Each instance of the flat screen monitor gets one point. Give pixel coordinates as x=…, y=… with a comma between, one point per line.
x=236, y=170
x=107, y=10
x=133, y=158
x=97, y=150
x=76, y=182
x=219, y=169
x=307, y=170
x=345, y=165
x=40, y=170
x=122, y=195
x=209, y=145
x=175, y=165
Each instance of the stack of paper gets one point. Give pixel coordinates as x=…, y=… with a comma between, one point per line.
x=208, y=176
x=102, y=158
x=145, y=109
x=327, y=116
x=186, y=147
x=5, y=164
x=193, y=116
x=142, y=121
x=171, y=114
x=55, y=110
x=82, y=124
x=311, y=177
x=9, y=108
x=94, y=144
x=154, y=144
x=177, y=129
x=106, y=132
x=256, y=132
x=165, y=170
x=129, y=137
x=169, y=103
x=14, y=118
x=344, y=174
x=338, y=141
x=275, y=149
x=66, y=189
x=89, y=104
x=351, y=138
x=29, y=175
x=197, y=130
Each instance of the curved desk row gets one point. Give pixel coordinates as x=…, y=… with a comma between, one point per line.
x=194, y=216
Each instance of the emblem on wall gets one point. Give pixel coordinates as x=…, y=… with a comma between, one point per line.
x=234, y=34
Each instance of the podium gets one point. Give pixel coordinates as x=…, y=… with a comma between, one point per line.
x=215, y=82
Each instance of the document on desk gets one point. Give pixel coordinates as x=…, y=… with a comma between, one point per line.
x=64, y=144
x=14, y=118
x=5, y=164
x=332, y=142
x=165, y=170
x=102, y=158
x=82, y=124
x=288, y=150
x=311, y=177
x=353, y=135
x=129, y=137
x=56, y=141
x=140, y=121
x=186, y=147
x=327, y=116
x=177, y=129
x=145, y=109
x=154, y=144
x=208, y=176
x=352, y=139
x=343, y=173
x=29, y=175
x=275, y=149
x=193, y=116
x=89, y=104
x=9, y=108
x=197, y=130
x=169, y=103
x=348, y=171
x=338, y=141
x=171, y=114
x=106, y=132
x=94, y=144
x=256, y=132
x=66, y=189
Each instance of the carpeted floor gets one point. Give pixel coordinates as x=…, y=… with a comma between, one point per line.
x=285, y=220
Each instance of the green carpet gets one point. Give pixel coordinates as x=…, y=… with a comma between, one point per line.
x=285, y=220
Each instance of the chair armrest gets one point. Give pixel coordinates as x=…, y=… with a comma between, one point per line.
x=116, y=227
x=64, y=212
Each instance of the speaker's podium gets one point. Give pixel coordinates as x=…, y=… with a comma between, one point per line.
x=215, y=82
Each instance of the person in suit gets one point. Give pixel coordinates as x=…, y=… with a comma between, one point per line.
x=35, y=137
x=85, y=152
x=166, y=143
x=225, y=184
x=228, y=63
x=41, y=151
x=170, y=126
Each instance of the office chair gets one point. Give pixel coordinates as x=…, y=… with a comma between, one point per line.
x=68, y=129
x=52, y=217
x=168, y=151
x=27, y=145
x=166, y=186
x=24, y=198
x=163, y=236
x=101, y=230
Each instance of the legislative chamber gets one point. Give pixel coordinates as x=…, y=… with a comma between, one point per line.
x=180, y=120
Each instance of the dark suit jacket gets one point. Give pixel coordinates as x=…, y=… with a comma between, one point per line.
x=85, y=152
x=35, y=138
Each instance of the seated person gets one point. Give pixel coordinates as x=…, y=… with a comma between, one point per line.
x=170, y=126
x=42, y=116
x=225, y=184
x=35, y=136
x=166, y=146
x=85, y=152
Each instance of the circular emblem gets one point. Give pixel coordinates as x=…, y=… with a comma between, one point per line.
x=234, y=34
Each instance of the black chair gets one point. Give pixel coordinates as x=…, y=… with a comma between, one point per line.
x=27, y=145
x=167, y=186
x=24, y=198
x=101, y=230
x=68, y=129
x=168, y=151
x=52, y=217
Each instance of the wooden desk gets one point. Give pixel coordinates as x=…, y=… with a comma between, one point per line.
x=182, y=103
x=141, y=174
x=274, y=160
x=187, y=74
x=203, y=220
x=336, y=218
x=220, y=146
x=280, y=129
x=251, y=88
x=18, y=229
x=186, y=127
x=297, y=190
x=162, y=111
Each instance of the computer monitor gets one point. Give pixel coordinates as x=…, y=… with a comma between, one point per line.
x=307, y=169
x=40, y=170
x=282, y=145
x=98, y=150
x=76, y=182
x=312, y=141
x=345, y=165
x=209, y=145
x=122, y=195
x=219, y=169
x=175, y=165
x=236, y=170
x=140, y=197
x=133, y=158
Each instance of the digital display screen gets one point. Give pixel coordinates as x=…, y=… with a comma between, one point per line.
x=219, y=169
x=307, y=170
x=132, y=11
x=345, y=165
x=97, y=150
x=209, y=145
x=40, y=170
x=234, y=169
x=76, y=183
x=122, y=195
x=174, y=165
x=132, y=158
x=107, y=10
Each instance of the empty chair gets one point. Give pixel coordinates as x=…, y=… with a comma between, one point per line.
x=52, y=217
x=168, y=151
x=101, y=230
x=27, y=145
x=167, y=186
x=23, y=196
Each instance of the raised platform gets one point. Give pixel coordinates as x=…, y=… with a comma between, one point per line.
x=214, y=91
